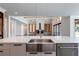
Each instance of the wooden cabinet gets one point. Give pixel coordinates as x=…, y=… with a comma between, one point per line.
x=32, y=27
x=47, y=27
x=67, y=49
x=17, y=49
x=1, y=25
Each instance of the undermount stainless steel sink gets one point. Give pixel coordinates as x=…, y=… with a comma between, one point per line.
x=41, y=41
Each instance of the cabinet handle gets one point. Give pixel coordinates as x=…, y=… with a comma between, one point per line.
x=33, y=52
x=17, y=44
x=68, y=47
x=1, y=44
x=1, y=51
x=48, y=53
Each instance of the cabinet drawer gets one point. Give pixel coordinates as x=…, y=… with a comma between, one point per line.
x=4, y=46
x=17, y=49
x=4, y=52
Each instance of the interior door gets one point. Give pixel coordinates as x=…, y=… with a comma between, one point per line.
x=1, y=25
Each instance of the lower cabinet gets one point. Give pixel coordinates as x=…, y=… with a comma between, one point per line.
x=11, y=49
x=4, y=50
x=21, y=49
x=67, y=49
x=31, y=47
x=17, y=49
x=49, y=48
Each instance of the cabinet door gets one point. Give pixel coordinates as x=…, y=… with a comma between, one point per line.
x=32, y=28
x=17, y=49
x=4, y=50
x=67, y=49
x=47, y=27
x=31, y=48
x=47, y=47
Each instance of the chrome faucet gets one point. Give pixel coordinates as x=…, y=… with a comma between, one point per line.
x=40, y=36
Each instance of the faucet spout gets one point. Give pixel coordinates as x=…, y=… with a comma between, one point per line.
x=40, y=36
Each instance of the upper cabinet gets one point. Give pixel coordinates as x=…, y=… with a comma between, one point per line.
x=32, y=28
x=48, y=27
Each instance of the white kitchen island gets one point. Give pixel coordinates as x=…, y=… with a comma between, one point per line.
x=17, y=45
x=25, y=39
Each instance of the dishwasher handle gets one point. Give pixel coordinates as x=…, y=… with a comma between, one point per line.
x=68, y=47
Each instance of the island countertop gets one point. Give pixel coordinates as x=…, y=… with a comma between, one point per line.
x=26, y=39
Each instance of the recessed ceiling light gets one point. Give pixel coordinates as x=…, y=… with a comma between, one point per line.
x=15, y=13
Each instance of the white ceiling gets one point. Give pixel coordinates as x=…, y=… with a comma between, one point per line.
x=41, y=9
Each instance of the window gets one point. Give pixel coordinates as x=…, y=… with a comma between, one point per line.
x=77, y=27
x=56, y=29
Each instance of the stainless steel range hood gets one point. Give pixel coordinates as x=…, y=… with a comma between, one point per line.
x=40, y=31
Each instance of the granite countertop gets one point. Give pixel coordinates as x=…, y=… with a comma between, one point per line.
x=26, y=39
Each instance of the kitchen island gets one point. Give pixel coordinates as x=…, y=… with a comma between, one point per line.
x=26, y=39
x=60, y=46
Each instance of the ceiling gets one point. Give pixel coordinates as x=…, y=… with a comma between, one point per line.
x=41, y=9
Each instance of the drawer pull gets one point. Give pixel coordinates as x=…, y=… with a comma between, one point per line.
x=68, y=47
x=1, y=44
x=17, y=44
x=48, y=53
x=1, y=51
x=33, y=52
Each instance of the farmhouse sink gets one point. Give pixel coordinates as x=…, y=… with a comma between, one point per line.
x=41, y=41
